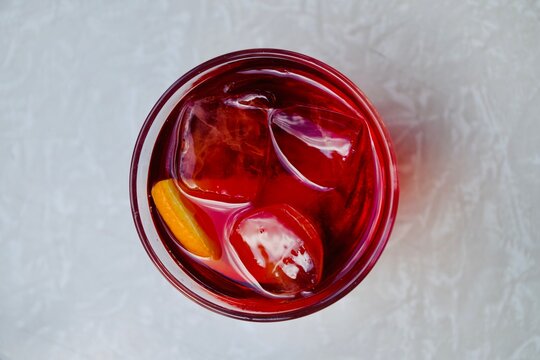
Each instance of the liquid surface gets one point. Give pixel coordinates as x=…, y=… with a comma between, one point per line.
x=278, y=166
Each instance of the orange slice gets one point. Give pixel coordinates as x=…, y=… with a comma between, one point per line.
x=181, y=221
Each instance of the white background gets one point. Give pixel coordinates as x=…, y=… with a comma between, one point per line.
x=458, y=83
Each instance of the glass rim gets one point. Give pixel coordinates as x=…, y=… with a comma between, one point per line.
x=389, y=189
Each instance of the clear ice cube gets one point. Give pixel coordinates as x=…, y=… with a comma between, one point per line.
x=223, y=146
x=314, y=144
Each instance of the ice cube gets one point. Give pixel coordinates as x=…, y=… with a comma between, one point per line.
x=314, y=144
x=280, y=248
x=223, y=146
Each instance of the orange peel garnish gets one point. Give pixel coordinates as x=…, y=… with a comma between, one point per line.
x=181, y=221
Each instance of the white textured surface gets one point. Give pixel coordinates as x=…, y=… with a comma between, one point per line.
x=458, y=83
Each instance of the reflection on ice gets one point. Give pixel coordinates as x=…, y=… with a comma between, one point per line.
x=314, y=144
x=311, y=133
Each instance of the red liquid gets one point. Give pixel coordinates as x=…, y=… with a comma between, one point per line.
x=250, y=141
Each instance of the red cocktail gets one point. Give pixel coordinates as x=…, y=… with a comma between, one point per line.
x=264, y=185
